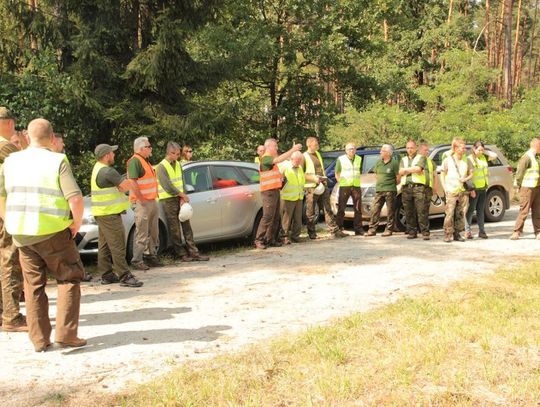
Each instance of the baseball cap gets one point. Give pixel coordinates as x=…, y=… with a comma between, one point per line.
x=5, y=113
x=103, y=149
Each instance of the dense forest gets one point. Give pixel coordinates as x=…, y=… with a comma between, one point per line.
x=223, y=75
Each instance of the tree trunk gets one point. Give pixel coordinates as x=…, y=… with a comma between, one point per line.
x=385, y=30
x=487, y=37
x=516, y=42
x=531, y=47
x=508, y=6
x=32, y=5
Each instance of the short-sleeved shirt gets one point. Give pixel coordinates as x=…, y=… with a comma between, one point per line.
x=267, y=163
x=135, y=170
x=386, y=175
x=108, y=177
x=6, y=148
x=421, y=163
x=69, y=188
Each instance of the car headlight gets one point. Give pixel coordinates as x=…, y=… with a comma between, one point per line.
x=368, y=193
x=89, y=220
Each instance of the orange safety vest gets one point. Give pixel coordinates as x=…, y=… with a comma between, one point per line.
x=147, y=183
x=271, y=179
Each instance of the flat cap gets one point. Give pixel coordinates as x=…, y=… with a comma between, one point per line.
x=103, y=149
x=5, y=113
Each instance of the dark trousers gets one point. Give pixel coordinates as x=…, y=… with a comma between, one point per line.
x=291, y=218
x=323, y=201
x=269, y=224
x=60, y=257
x=11, y=280
x=344, y=194
x=388, y=197
x=476, y=204
x=171, y=208
x=529, y=200
x=413, y=198
x=111, y=246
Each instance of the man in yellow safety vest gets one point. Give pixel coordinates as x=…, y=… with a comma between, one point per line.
x=292, y=197
x=348, y=172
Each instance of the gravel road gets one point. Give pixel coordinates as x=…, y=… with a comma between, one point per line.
x=198, y=310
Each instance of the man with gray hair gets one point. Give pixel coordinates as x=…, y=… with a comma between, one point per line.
x=387, y=171
x=348, y=171
x=172, y=197
x=144, y=206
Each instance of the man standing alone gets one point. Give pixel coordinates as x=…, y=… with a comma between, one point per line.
x=108, y=204
x=11, y=284
x=172, y=197
x=527, y=180
x=42, y=210
x=413, y=183
x=270, y=185
x=145, y=206
x=348, y=172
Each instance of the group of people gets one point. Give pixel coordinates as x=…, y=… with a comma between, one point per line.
x=287, y=179
x=41, y=212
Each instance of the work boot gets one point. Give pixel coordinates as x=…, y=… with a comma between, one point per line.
x=482, y=235
x=198, y=257
x=275, y=243
x=109, y=278
x=371, y=232
x=312, y=236
x=139, y=265
x=153, y=261
x=387, y=233
x=43, y=348
x=186, y=258
x=129, y=280
x=426, y=236
x=286, y=241
x=448, y=239
x=412, y=236
x=458, y=237
x=339, y=234
x=74, y=343
x=295, y=239
x=359, y=232
x=87, y=277
x=468, y=235
x=259, y=245
x=18, y=326
x=515, y=236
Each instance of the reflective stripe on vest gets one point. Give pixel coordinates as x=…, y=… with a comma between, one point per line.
x=35, y=204
x=350, y=171
x=530, y=179
x=175, y=175
x=480, y=171
x=310, y=168
x=419, y=178
x=147, y=183
x=270, y=179
x=451, y=180
x=430, y=174
x=294, y=187
x=105, y=201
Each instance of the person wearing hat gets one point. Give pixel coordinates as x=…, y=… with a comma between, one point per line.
x=11, y=281
x=42, y=208
x=172, y=197
x=108, y=199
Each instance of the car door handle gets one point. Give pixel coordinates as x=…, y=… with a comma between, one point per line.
x=211, y=200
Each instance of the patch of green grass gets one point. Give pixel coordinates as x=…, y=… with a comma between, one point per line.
x=474, y=343
x=54, y=399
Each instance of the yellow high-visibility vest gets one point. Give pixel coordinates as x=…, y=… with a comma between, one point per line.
x=350, y=171
x=294, y=188
x=480, y=171
x=176, y=177
x=310, y=168
x=532, y=174
x=106, y=201
x=419, y=178
x=35, y=204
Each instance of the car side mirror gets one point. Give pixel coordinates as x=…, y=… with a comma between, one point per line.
x=189, y=188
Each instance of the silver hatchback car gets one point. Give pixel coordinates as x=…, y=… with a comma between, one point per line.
x=498, y=199
x=226, y=205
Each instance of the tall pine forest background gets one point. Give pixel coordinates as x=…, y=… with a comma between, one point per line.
x=223, y=75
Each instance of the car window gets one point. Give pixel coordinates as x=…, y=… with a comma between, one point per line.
x=251, y=174
x=368, y=162
x=494, y=163
x=226, y=177
x=327, y=161
x=438, y=157
x=199, y=178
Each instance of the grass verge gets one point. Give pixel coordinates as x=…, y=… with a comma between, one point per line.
x=474, y=343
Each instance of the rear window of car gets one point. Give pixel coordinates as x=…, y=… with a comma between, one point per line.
x=227, y=177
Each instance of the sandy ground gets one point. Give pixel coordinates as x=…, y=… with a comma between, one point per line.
x=198, y=310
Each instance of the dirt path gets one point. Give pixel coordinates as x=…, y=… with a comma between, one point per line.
x=201, y=309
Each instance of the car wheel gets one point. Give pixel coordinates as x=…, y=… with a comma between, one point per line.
x=399, y=217
x=256, y=226
x=317, y=213
x=494, y=209
x=163, y=238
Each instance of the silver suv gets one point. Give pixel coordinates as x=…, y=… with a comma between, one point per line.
x=226, y=205
x=499, y=194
